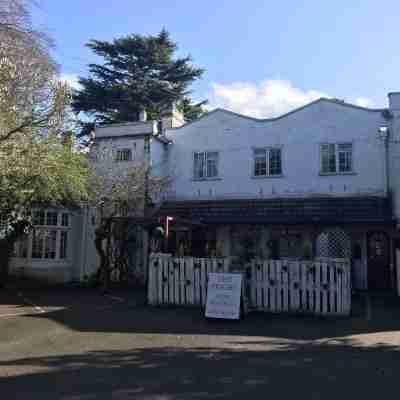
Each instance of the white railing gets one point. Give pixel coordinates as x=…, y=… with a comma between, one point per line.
x=181, y=281
x=315, y=287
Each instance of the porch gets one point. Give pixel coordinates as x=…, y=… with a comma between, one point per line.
x=360, y=229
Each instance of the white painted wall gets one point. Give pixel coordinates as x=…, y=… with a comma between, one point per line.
x=299, y=134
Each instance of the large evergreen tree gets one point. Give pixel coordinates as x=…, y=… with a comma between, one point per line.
x=138, y=72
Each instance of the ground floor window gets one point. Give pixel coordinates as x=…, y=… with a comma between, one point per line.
x=49, y=238
x=333, y=243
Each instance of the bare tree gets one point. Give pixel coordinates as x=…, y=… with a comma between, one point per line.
x=30, y=94
x=120, y=190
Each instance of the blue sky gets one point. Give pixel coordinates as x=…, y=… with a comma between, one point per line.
x=262, y=58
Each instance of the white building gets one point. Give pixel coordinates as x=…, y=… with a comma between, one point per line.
x=320, y=181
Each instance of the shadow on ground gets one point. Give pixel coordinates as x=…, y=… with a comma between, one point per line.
x=340, y=369
x=88, y=311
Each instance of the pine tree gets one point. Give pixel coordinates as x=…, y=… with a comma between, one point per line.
x=138, y=72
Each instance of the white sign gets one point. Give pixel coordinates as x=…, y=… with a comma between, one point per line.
x=223, y=295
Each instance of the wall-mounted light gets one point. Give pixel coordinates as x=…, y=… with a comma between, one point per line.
x=383, y=132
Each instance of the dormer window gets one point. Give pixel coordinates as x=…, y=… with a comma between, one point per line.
x=123, y=155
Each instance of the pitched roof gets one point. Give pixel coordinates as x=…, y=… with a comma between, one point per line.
x=321, y=99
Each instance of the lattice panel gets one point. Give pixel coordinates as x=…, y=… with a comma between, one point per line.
x=333, y=243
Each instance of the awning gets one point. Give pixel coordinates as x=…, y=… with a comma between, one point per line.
x=322, y=210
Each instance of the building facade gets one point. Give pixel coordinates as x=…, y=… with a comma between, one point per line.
x=320, y=181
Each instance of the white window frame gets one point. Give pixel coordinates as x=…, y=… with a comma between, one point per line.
x=205, y=169
x=267, y=151
x=337, y=163
x=63, y=224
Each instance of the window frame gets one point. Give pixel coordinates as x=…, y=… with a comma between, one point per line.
x=120, y=152
x=337, y=158
x=205, y=167
x=58, y=235
x=267, y=151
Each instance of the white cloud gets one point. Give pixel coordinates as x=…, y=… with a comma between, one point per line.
x=364, y=102
x=71, y=79
x=266, y=99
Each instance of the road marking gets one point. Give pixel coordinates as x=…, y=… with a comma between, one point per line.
x=39, y=309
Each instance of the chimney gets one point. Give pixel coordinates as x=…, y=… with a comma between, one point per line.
x=394, y=101
x=142, y=115
x=171, y=117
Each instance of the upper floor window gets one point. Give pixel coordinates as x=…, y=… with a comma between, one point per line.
x=206, y=165
x=336, y=158
x=268, y=162
x=123, y=155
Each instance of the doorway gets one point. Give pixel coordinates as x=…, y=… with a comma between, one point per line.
x=378, y=261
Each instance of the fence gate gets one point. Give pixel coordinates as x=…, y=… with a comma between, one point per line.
x=181, y=281
x=301, y=286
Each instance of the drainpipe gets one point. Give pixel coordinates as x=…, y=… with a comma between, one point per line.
x=384, y=136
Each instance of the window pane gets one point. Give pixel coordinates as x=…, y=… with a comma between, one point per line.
x=212, y=165
x=51, y=218
x=345, y=157
x=199, y=165
x=275, y=162
x=65, y=219
x=124, y=155
x=63, y=244
x=38, y=217
x=328, y=158
x=50, y=244
x=260, y=162
x=37, y=243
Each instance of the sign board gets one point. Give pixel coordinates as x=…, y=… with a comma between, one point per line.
x=223, y=295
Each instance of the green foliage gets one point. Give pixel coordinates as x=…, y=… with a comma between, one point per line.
x=138, y=72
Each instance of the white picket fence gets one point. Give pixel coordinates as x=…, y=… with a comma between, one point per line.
x=321, y=287
x=316, y=287
x=181, y=281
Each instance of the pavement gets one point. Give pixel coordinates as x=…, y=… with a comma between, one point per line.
x=76, y=344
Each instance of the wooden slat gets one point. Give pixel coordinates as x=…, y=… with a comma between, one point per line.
x=324, y=271
x=165, y=281
x=197, y=294
x=278, y=285
x=203, y=280
x=303, y=286
x=332, y=288
x=182, y=281
x=311, y=288
x=265, y=284
x=253, y=284
x=294, y=278
x=160, y=281
x=190, y=281
x=285, y=286
x=259, y=275
x=317, y=289
x=171, y=282
x=176, y=281
x=272, y=285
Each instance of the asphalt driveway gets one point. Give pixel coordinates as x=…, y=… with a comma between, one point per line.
x=77, y=344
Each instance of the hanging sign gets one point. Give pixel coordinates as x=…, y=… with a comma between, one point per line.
x=223, y=295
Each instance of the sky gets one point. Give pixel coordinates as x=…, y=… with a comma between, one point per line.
x=262, y=58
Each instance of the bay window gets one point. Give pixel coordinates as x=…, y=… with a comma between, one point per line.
x=49, y=238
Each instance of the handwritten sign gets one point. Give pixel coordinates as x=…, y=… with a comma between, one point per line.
x=223, y=295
